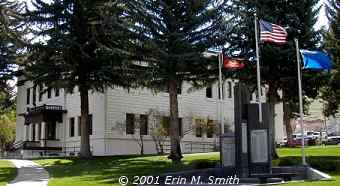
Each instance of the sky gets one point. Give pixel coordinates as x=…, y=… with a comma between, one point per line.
x=322, y=21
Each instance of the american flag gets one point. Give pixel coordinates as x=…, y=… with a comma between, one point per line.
x=272, y=33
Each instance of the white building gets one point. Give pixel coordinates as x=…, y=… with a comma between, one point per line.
x=48, y=122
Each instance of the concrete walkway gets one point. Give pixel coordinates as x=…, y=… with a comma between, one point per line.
x=29, y=174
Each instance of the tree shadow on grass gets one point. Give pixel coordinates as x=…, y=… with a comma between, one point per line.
x=109, y=169
x=328, y=164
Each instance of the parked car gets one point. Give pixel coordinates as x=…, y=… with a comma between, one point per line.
x=309, y=135
x=316, y=135
x=333, y=140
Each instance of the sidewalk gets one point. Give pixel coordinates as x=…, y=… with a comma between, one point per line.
x=29, y=174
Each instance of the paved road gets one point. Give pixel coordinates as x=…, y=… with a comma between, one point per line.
x=29, y=174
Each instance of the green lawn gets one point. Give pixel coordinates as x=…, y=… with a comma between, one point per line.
x=7, y=172
x=324, y=158
x=104, y=171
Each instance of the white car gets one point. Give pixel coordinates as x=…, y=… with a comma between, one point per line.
x=316, y=135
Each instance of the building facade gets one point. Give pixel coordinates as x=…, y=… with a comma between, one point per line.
x=121, y=121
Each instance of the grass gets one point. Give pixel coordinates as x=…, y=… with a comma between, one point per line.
x=104, y=171
x=7, y=172
x=324, y=158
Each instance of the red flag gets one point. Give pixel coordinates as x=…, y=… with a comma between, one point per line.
x=233, y=63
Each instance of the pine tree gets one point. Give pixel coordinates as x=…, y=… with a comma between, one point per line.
x=278, y=63
x=331, y=92
x=11, y=32
x=175, y=35
x=83, y=44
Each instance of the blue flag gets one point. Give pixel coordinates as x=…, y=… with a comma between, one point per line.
x=316, y=60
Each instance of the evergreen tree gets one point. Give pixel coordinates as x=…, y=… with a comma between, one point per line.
x=331, y=92
x=174, y=36
x=278, y=63
x=85, y=45
x=10, y=38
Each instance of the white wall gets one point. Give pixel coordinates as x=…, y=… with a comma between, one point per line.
x=141, y=101
x=109, y=111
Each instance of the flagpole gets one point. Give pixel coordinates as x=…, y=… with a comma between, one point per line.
x=300, y=103
x=220, y=64
x=258, y=69
x=220, y=101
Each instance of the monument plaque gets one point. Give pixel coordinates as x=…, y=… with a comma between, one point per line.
x=228, y=151
x=259, y=146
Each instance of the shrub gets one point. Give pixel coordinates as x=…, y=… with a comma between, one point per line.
x=289, y=161
x=204, y=164
x=323, y=164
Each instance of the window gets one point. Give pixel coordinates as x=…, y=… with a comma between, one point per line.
x=71, y=127
x=34, y=94
x=230, y=90
x=51, y=130
x=49, y=93
x=40, y=92
x=33, y=132
x=143, y=124
x=210, y=129
x=28, y=96
x=199, y=130
x=90, y=124
x=56, y=92
x=166, y=124
x=79, y=126
x=130, y=124
x=208, y=92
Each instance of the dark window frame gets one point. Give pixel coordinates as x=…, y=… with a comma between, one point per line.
x=180, y=127
x=71, y=127
x=199, y=129
x=34, y=95
x=49, y=93
x=79, y=125
x=144, y=121
x=209, y=92
x=28, y=96
x=210, y=129
x=33, y=132
x=130, y=123
x=230, y=90
x=41, y=92
x=56, y=92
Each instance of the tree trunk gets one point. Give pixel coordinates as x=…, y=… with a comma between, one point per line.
x=161, y=147
x=287, y=122
x=141, y=145
x=85, y=151
x=175, y=151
